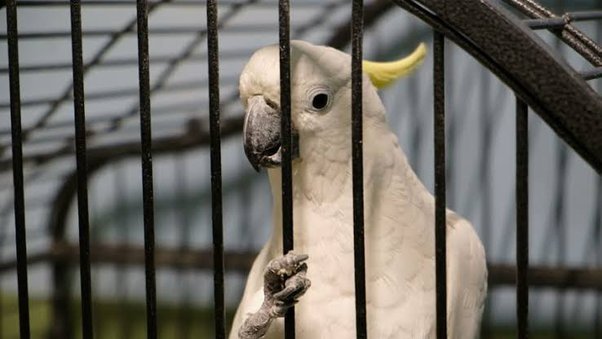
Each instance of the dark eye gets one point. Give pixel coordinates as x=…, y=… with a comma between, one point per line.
x=320, y=101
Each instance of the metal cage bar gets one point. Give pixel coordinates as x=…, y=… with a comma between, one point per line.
x=359, y=261
x=17, y=156
x=285, y=132
x=216, y=169
x=522, y=218
x=81, y=164
x=147, y=168
x=440, y=218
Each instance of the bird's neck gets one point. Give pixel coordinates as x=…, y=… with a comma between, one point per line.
x=322, y=181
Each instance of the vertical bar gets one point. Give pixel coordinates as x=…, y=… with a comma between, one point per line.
x=522, y=218
x=484, y=183
x=287, y=179
x=357, y=27
x=82, y=175
x=216, y=170
x=147, y=169
x=440, y=219
x=17, y=153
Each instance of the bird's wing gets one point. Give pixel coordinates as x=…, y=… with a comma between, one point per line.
x=466, y=278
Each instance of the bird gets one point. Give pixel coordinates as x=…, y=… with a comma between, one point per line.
x=317, y=277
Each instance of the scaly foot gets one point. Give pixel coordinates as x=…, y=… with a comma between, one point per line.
x=284, y=283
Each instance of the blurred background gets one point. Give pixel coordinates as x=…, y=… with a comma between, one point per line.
x=565, y=195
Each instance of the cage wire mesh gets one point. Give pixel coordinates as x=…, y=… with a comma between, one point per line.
x=565, y=192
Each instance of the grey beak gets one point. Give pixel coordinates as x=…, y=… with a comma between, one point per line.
x=261, y=133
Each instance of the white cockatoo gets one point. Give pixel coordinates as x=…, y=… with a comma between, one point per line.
x=399, y=211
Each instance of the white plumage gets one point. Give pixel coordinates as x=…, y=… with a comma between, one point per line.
x=399, y=216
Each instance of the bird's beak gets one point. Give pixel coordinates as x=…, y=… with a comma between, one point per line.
x=261, y=134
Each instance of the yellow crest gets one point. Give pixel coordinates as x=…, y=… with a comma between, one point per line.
x=382, y=74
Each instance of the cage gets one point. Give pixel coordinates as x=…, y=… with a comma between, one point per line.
x=111, y=231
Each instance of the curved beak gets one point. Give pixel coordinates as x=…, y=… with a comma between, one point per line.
x=261, y=134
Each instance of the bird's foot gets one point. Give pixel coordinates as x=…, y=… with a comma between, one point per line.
x=284, y=283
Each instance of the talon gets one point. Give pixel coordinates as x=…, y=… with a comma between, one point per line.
x=287, y=265
x=285, y=282
x=294, y=288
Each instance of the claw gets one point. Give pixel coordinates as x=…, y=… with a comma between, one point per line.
x=286, y=265
x=295, y=286
x=285, y=281
x=284, y=284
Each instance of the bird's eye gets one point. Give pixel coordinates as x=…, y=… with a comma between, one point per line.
x=319, y=101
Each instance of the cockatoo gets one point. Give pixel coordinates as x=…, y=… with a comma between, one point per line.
x=399, y=211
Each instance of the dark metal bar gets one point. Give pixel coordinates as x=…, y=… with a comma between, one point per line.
x=592, y=74
x=216, y=170
x=484, y=186
x=522, y=218
x=451, y=132
x=440, y=219
x=82, y=176
x=147, y=169
x=357, y=31
x=17, y=161
x=287, y=178
x=566, y=19
x=546, y=23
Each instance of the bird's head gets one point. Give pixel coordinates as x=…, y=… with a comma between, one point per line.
x=320, y=97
